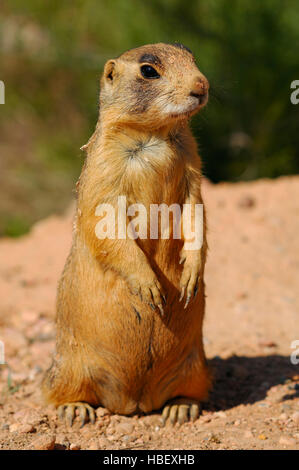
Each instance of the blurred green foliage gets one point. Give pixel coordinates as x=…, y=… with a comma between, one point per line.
x=51, y=57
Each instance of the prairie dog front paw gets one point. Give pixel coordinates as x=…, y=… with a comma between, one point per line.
x=190, y=275
x=149, y=290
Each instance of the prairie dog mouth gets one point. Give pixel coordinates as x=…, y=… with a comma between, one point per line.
x=202, y=99
x=182, y=110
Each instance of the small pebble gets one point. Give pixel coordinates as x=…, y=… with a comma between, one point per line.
x=21, y=428
x=75, y=447
x=246, y=201
x=29, y=416
x=46, y=442
x=125, y=428
x=100, y=412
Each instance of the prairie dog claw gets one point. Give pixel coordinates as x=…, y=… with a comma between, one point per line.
x=149, y=292
x=68, y=411
x=180, y=411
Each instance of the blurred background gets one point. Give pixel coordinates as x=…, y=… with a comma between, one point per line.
x=51, y=57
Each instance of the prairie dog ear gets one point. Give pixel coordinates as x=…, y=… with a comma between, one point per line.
x=109, y=70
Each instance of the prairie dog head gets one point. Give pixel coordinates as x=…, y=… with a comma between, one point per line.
x=152, y=86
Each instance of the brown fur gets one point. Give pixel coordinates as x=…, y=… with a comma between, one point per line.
x=113, y=348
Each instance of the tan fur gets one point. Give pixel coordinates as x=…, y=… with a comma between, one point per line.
x=113, y=348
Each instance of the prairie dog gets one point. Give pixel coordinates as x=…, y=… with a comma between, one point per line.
x=130, y=311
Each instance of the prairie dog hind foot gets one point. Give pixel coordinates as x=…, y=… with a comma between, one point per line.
x=68, y=411
x=180, y=410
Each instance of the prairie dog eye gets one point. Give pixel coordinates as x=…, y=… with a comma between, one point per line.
x=147, y=71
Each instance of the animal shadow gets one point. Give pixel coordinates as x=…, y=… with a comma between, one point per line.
x=246, y=380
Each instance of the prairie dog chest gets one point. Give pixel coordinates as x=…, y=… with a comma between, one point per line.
x=145, y=153
x=152, y=169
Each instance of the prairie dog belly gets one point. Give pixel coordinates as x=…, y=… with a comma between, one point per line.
x=124, y=335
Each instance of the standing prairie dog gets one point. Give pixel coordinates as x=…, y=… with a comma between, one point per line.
x=130, y=311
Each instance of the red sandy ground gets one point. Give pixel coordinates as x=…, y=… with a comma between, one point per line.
x=251, y=320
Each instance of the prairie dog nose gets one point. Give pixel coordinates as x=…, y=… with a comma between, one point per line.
x=200, y=86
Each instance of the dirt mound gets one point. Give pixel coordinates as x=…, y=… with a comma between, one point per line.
x=251, y=321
